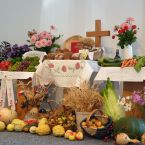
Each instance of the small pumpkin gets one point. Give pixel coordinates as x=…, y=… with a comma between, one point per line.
x=132, y=126
x=7, y=115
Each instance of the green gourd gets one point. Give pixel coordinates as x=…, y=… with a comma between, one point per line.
x=132, y=126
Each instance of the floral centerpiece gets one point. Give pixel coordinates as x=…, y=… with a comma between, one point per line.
x=126, y=34
x=43, y=41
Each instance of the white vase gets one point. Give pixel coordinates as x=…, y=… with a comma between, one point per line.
x=127, y=52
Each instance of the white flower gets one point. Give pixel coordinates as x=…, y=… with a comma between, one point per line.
x=128, y=97
x=128, y=106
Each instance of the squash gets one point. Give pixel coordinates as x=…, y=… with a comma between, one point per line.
x=132, y=126
x=7, y=115
x=58, y=130
x=2, y=126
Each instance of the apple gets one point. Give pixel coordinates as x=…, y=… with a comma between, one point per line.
x=98, y=123
x=67, y=133
x=72, y=136
x=79, y=136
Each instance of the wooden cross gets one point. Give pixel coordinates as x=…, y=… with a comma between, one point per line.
x=98, y=33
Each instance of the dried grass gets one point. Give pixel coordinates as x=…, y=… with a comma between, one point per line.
x=84, y=98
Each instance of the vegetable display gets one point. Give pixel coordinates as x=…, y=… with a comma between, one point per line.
x=110, y=62
x=28, y=64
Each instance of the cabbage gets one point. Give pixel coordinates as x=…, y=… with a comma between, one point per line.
x=111, y=106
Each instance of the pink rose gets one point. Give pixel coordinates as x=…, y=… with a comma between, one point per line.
x=49, y=43
x=125, y=26
x=33, y=39
x=64, y=68
x=38, y=44
x=49, y=36
x=44, y=35
x=43, y=42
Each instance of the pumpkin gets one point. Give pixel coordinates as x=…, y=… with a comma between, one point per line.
x=7, y=115
x=132, y=126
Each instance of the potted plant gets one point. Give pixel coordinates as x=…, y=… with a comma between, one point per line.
x=83, y=100
x=126, y=34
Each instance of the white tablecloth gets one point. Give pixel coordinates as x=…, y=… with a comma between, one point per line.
x=127, y=74
x=65, y=73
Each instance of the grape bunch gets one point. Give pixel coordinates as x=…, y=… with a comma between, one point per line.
x=28, y=64
x=14, y=67
x=23, y=66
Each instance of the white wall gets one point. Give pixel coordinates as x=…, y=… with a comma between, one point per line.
x=17, y=17
x=70, y=17
x=78, y=16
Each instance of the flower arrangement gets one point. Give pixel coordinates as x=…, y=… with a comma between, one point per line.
x=43, y=41
x=12, y=51
x=135, y=101
x=126, y=33
x=33, y=95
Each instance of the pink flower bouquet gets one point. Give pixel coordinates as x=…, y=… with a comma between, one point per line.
x=43, y=41
x=126, y=33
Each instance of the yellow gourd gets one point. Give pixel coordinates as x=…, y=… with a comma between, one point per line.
x=58, y=130
x=43, y=129
x=2, y=126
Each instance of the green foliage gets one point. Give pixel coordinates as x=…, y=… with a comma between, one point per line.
x=140, y=63
x=126, y=38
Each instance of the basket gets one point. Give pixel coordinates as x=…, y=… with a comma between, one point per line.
x=79, y=117
x=100, y=133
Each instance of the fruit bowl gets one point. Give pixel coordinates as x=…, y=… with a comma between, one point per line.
x=101, y=128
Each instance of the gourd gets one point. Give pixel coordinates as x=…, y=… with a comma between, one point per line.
x=43, y=129
x=7, y=115
x=2, y=126
x=58, y=130
x=132, y=126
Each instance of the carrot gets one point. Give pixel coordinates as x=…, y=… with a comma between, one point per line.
x=135, y=61
x=131, y=62
x=126, y=63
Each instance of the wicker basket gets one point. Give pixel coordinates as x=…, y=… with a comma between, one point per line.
x=79, y=117
x=98, y=133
